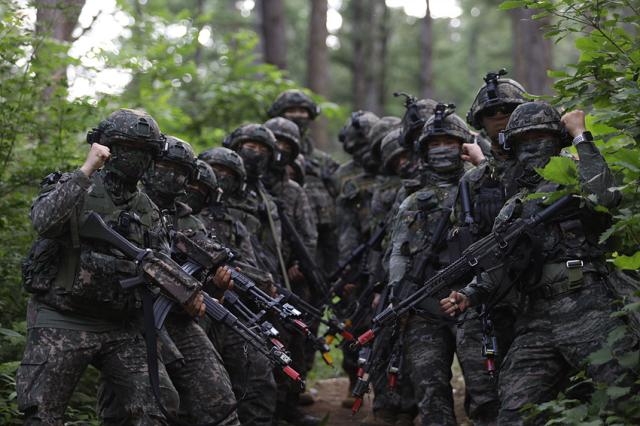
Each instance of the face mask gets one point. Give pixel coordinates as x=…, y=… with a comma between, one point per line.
x=255, y=163
x=302, y=123
x=128, y=164
x=228, y=183
x=282, y=159
x=196, y=200
x=444, y=158
x=535, y=153
x=167, y=180
x=407, y=170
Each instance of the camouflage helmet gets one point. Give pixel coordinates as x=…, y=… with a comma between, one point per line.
x=225, y=157
x=206, y=176
x=250, y=132
x=180, y=152
x=379, y=131
x=285, y=129
x=532, y=116
x=444, y=122
x=128, y=125
x=355, y=132
x=496, y=91
x=417, y=113
x=390, y=148
x=293, y=98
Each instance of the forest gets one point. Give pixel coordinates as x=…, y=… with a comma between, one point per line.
x=203, y=67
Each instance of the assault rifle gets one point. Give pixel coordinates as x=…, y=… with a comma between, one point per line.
x=178, y=286
x=483, y=255
x=318, y=282
x=283, y=306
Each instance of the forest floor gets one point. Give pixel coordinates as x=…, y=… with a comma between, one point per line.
x=329, y=394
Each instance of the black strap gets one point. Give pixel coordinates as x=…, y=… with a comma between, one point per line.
x=150, y=338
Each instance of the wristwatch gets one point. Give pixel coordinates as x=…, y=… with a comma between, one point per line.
x=585, y=136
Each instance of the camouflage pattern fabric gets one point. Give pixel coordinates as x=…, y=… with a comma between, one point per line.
x=56, y=358
x=251, y=375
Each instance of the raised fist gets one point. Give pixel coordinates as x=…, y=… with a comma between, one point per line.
x=97, y=156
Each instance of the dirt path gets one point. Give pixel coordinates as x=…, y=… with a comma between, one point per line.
x=331, y=392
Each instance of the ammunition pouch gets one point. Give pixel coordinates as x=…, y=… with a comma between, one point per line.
x=559, y=279
x=40, y=267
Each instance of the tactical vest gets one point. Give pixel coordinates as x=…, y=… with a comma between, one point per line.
x=88, y=278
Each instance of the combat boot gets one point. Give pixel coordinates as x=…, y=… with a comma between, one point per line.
x=379, y=418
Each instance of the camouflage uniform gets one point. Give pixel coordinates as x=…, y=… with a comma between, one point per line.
x=567, y=314
x=80, y=313
x=319, y=169
x=430, y=338
x=250, y=372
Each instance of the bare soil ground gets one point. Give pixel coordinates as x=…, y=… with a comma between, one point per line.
x=330, y=393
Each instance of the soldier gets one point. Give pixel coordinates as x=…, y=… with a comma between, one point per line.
x=319, y=185
x=490, y=184
x=491, y=110
x=80, y=314
x=419, y=247
x=255, y=208
x=390, y=406
x=256, y=144
x=200, y=377
x=568, y=302
x=250, y=372
x=353, y=210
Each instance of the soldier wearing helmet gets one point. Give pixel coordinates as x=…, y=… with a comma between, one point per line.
x=491, y=109
x=81, y=313
x=254, y=207
x=567, y=312
x=195, y=368
x=440, y=145
x=320, y=187
x=251, y=374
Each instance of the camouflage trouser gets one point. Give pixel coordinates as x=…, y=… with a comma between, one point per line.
x=428, y=354
x=201, y=379
x=327, y=251
x=55, y=359
x=400, y=399
x=481, y=393
x=198, y=375
x=251, y=376
x=553, y=337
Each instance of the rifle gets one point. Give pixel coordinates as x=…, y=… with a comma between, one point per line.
x=197, y=259
x=178, y=286
x=483, y=255
x=318, y=281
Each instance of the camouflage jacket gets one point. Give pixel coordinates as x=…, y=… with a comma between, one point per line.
x=296, y=207
x=571, y=235
x=346, y=172
x=89, y=273
x=255, y=214
x=354, y=209
x=319, y=184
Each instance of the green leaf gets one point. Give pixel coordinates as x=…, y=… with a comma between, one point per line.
x=561, y=170
x=512, y=4
x=600, y=356
x=628, y=262
x=10, y=333
x=616, y=392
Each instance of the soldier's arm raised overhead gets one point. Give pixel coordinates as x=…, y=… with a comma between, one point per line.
x=595, y=175
x=61, y=194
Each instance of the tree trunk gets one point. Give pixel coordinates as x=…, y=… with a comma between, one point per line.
x=426, y=55
x=273, y=32
x=361, y=22
x=56, y=19
x=318, y=65
x=375, y=69
x=531, y=52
